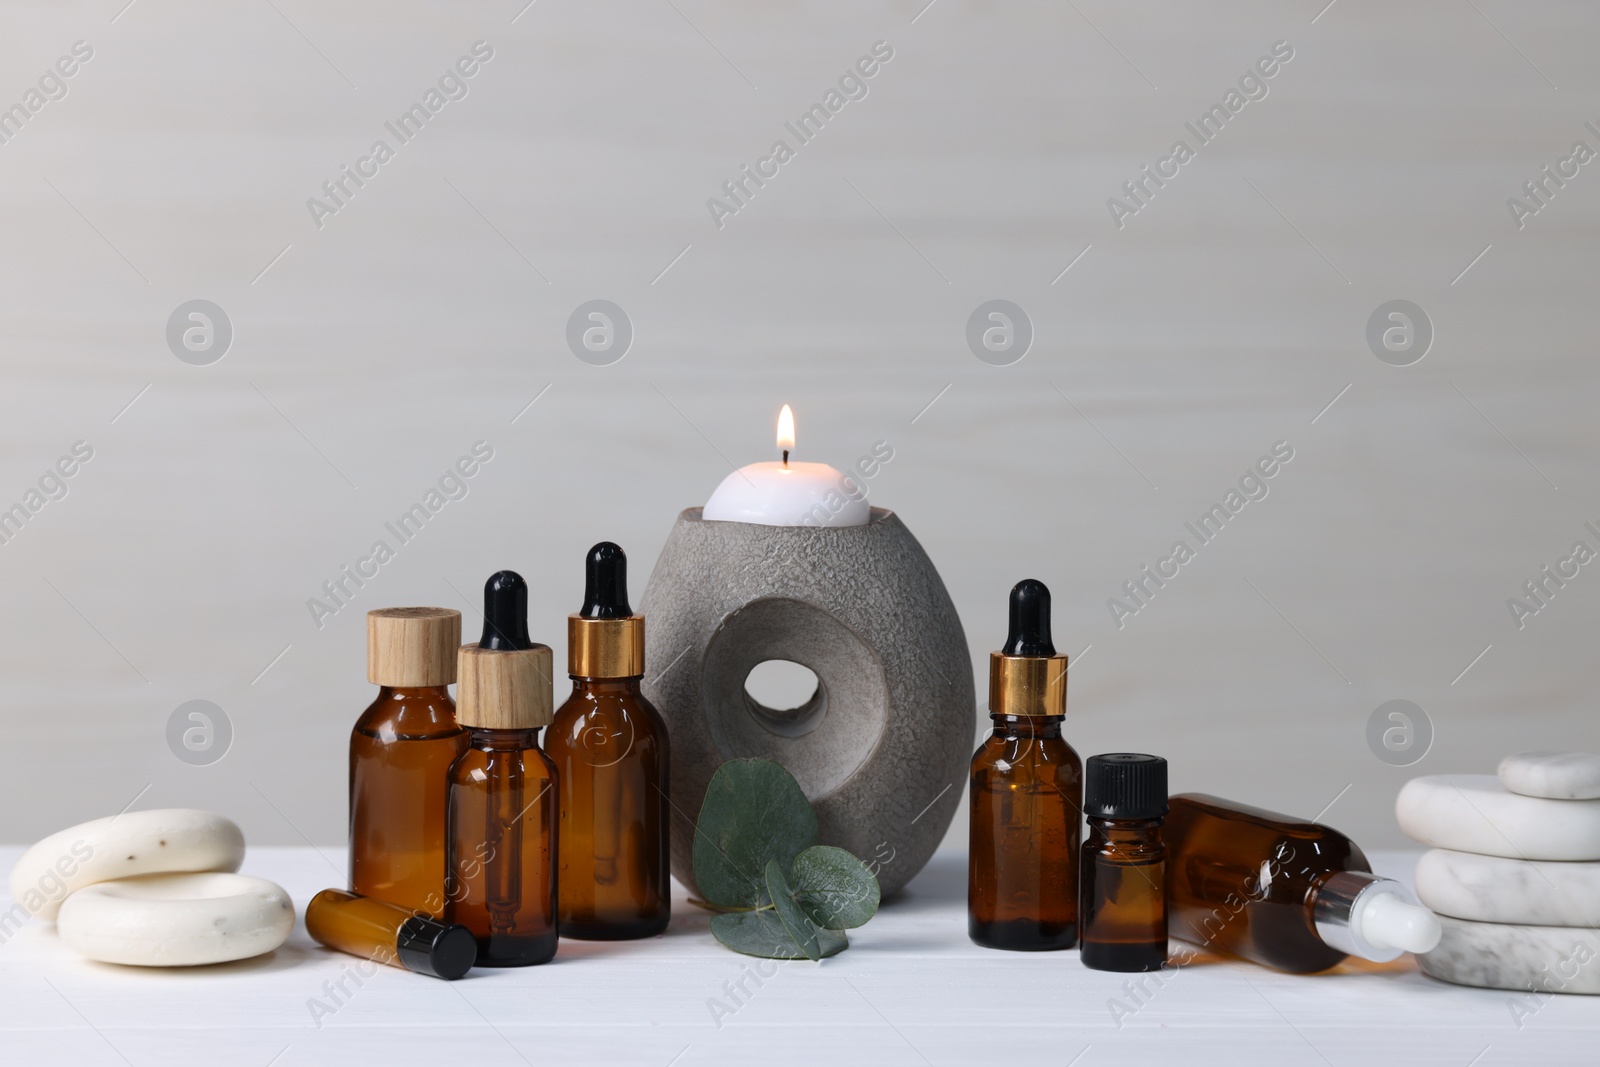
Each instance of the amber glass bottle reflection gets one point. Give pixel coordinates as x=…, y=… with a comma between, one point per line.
x=1122, y=910
x=1026, y=792
x=610, y=750
x=400, y=752
x=502, y=825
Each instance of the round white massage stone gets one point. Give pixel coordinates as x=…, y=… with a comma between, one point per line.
x=1556, y=775
x=1537, y=959
x=1492, y=889
x=119, y=846
x=1475, y=813
x=176, y=920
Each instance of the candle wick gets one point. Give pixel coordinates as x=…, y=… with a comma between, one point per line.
x=786, y=457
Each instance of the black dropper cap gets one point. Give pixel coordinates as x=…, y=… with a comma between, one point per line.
x=443, y=950
x=1125, y=785
x=605, y=587
x=1030, y=620
x=505, y=612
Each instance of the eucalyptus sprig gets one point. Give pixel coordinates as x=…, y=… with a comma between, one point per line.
x=757, y=862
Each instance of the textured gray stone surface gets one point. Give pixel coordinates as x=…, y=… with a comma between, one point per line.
x=882, y=748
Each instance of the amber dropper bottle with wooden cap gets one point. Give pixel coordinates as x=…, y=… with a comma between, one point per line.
x=400, y=752
x=1027, y=794
x=610, y=750
x=502, y=824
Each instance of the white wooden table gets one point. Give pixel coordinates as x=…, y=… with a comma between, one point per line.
x=911, y=990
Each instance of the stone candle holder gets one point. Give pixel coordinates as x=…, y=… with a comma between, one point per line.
x=881, y=749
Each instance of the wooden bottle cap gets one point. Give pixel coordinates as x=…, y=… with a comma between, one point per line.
x=504, y=689
x=412, y=646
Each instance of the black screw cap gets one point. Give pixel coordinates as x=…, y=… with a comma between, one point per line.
x=1125, y=785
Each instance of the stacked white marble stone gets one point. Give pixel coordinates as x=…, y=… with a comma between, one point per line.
x=1514, y=874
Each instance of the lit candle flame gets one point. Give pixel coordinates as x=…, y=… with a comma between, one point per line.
x=785, y=432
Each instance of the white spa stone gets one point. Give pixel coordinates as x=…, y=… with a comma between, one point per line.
x=135, y=842
x=1556, y=775
x=1498, y=890
x=1475, y=813
x=1540, y=959
x=176, y=920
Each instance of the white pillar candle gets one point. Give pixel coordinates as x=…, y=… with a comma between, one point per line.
x=789, y=493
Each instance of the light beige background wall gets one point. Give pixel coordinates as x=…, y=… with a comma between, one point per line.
x=425, y=315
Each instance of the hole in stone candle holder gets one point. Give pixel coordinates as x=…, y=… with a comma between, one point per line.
x=785, y=696
x=825, y=740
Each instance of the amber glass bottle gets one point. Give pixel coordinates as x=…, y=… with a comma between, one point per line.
x=502, y=825
x=400, y=751
x=390, y=934
x=609, y=746
x=1279, y=891
x=1026, y=791
x=1122, y=907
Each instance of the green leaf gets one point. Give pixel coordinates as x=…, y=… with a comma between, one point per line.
x=794, y=920
x=833, y=888
x=754, y=812
x=762, y=933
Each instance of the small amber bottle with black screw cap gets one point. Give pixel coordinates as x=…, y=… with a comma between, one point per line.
x=1122, y=909
x=502, y=824
x=400, y=751
x=1027, y=791
x=390, y=934
x=609, y=746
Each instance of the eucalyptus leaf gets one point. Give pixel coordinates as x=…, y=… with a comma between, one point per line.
x=794, y=920
x=762, y=933
x=754, y=812
x=833, y=888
